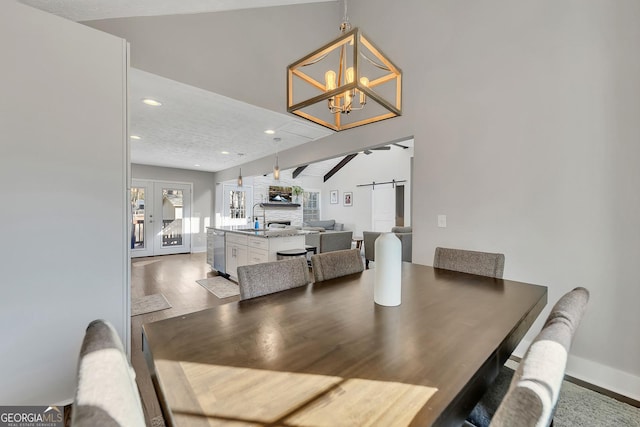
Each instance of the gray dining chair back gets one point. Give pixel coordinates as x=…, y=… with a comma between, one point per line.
x=480, y=263
x=532, y=394
x=106, y=391
x=266, y=278
x=330, y=265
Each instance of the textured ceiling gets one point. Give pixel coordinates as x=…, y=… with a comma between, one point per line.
x=88, y=10
x=194, y=126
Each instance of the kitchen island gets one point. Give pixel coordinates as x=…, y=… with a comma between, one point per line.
x=229, y=247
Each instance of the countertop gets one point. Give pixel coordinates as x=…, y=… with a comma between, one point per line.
x=261, y=232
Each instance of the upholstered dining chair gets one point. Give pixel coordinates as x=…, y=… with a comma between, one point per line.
x=106, y=393
x=266, y=278
x=531, y=396
x=330, y=265
x=480, y=263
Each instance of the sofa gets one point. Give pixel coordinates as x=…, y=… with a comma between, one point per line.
x=403, y=233
x=328, y=224
x=327, y=241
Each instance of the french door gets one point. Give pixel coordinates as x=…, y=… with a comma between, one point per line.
x=237, y=203
x=161, y=218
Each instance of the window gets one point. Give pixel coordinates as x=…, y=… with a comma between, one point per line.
x=237, y=205
x=311, y=206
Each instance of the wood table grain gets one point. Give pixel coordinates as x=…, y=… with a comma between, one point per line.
x=326, y=354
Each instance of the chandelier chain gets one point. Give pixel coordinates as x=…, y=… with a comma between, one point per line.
x=345, y=25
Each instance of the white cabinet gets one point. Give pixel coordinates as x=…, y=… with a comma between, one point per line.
x=257, y=256
x=236, y=253
x=242, y=249
x=283, y=243
x=258, y=250
x=210, y=234
x=236, y=256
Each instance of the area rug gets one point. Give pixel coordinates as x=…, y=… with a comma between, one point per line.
x=578, y=406
x=148, y=304
x=220, y=287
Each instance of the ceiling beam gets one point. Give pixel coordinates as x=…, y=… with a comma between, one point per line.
x=298, y=171
x=400, y=145
x=339, y=166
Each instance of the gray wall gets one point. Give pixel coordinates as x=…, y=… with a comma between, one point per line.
x=64, y=258
x=524, y=116
x=203, y=196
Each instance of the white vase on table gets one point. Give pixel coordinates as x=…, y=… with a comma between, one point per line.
x=387, y=289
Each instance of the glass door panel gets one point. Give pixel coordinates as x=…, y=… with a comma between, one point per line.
x=137, y=223
x=173, y=206
x=172, y=226
x=141, y=218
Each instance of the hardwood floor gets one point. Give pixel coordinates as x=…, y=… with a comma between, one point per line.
x=175, y=277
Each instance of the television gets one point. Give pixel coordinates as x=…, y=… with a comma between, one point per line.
x=279, y=194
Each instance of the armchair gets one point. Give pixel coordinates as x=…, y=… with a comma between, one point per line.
x=327, y=241
x=370, y=237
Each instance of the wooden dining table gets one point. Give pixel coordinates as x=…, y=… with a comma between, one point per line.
x=326, y=355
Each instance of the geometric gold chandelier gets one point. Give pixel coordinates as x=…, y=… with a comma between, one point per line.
x=344, y=84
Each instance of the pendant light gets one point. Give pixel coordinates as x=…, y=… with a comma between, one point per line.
x=332, y=85
x=276, y=168
x=240, y=178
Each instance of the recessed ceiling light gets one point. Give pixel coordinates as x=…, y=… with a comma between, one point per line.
x=197, y=165
x=269, y=131
x=135, y=137
x=152, y=102
x=225, y=152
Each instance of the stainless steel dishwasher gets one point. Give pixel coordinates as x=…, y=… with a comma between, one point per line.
x=219, y=256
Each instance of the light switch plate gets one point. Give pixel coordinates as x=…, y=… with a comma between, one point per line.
x=442, y=221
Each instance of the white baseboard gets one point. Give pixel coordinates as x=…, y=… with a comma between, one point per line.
x=604, y=376
x=597, y=374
